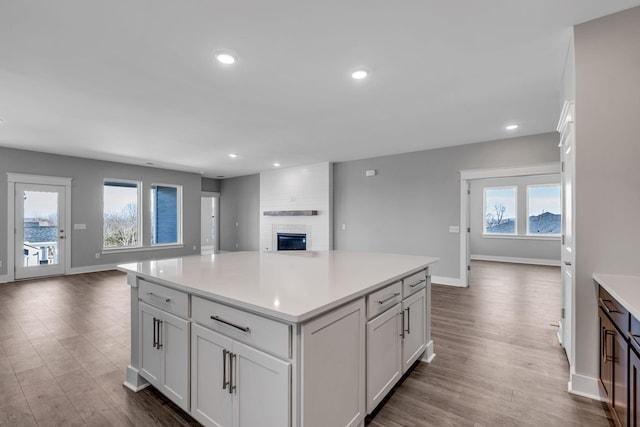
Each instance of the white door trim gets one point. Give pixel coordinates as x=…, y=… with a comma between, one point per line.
x=12, y=179
x=471, y=174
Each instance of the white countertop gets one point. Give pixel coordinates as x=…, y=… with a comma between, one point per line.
x=293, y=287
x=625, y=289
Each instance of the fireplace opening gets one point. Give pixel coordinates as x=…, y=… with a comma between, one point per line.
x=292, y=242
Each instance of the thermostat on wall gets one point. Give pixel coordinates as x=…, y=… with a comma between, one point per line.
x=370, y=172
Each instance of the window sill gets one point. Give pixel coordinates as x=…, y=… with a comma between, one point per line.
x=141, y=248
x=521, y=237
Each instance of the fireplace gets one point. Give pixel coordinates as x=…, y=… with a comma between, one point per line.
x=292, y=241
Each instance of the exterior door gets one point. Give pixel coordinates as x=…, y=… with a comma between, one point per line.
x=567, y=132
x=39, y=230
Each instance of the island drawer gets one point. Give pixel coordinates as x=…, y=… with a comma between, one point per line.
x=383, y=299
x=618, y=314
x=167, y=299
x=413, y=283
x=256, y=331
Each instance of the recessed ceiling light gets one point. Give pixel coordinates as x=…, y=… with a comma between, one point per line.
x=150, y=163
x=360, y=74
x=220, y=176
x=225, y=58
x=233, y=155
x=511, y=127
x=276, y=165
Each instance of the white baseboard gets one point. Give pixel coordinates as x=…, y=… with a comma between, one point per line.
x=516, y=260
x=4, y=279
x=91, y=269
x=449, y=281
x=584, y=386
x=428, y=354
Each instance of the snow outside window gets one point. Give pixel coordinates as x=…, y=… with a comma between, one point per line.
x=500, y=211
x=544, y=210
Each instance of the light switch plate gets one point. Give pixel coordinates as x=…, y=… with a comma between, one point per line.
x=79, y=226
x=454, y=229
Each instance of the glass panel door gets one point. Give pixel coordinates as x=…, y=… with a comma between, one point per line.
x=39, y=220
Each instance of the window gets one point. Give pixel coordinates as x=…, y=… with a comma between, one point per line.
x=121, y=222
x=166, y=207
x=500, y=210
x=544, y=209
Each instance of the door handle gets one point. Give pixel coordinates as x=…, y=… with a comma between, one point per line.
x=408, y=330
x=567, y=263
x=232, y=386
x=225, y=383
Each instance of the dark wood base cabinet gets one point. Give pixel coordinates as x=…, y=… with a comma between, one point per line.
x=634, y=371
x=614, y=356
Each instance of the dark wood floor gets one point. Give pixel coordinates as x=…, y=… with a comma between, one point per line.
x=65, y=345
x=498, y=361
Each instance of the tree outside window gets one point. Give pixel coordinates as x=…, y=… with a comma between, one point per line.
x=500, y=210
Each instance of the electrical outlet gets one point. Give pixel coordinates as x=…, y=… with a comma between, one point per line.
x=97, y=255
x=194, y=247
x=344, y=227
x=236, y=246
x=0, y=264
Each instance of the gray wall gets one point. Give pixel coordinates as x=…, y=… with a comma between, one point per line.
x=510, y=247
x=211, y=184
x=408, y=206
x=240, y=204
x=607, y=185
x=86, y=202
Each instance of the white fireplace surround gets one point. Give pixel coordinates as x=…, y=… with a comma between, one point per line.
x=290, y=228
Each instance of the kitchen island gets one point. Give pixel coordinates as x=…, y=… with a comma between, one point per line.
x=278, y=339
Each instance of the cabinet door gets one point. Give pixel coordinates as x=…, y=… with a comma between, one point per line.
x=620, y=384
x=634, y=383
x=262, y=388
x=606, y=355
x=211, y=402
x=333, y=368
x=150, y=356
x=384, y=355
x=415, y=339
x=174, y=342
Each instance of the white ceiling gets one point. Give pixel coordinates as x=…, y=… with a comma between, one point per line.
x=134, y=81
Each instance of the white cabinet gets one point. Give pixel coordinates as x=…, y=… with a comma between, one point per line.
x=397, y=338
x=384, y=355
x=233, y=384
x=164, y=352
x=414, y=323
x=333, y=368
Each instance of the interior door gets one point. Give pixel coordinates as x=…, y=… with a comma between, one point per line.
x=568, y=160
x=39, y=227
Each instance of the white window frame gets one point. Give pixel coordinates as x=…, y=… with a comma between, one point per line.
x=179, y=213
x=139, y=208
x=529, y=234
x=484, y=211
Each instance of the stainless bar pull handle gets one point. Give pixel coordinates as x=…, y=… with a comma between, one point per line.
x=242, y=328
x=386, y=300
x=603, y=303
x=159, y=334
x=151, y=294
x=225, y=383
x=155, y=333
x=232, y=386
x=419, y=282
x=608, y=358
x=402, y=329
x=408, y=320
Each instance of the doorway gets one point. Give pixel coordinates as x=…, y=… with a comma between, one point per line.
x=209, y=222
x=39, y=210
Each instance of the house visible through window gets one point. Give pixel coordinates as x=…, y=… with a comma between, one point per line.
x=121, y=222
x=543, y=209
x=165, y=214
x=500, y=210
